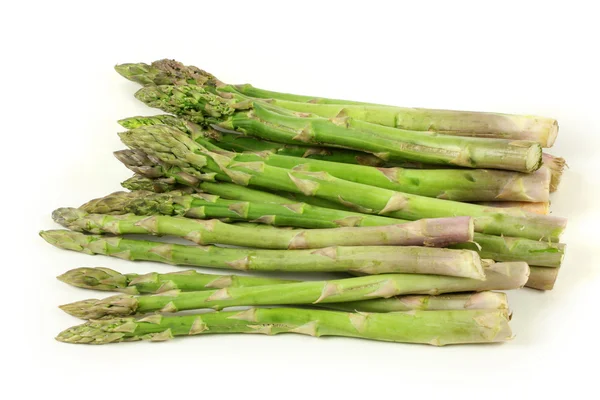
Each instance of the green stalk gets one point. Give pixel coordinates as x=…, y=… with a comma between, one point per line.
x=317, y=292
x=426, y=232
x=203, y=206
x=239, y=143
x=451, y=184
x=498, y=248
x=449, y=122
x=461, y=301
x=538, y=208
x=364, y=259
x=429, y=327
x=190, y=281
x=152, y=283
x=534, y=252
x=269, y=123
x=174, y=148
x=467, y=123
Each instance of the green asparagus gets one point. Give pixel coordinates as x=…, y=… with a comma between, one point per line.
x=281, y=212
x=189, y=281
x=437, y=328
x=174, y=148
x=451, y=184
x=425, y=232
x=463, y=123
x=317, y=292
x=365, y=259
x=261, y=120
x=240, y=143
x=469, y=301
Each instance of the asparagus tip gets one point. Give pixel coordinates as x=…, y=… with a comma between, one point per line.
x=95, y=278
x=66, y=216
x=115, y=306
x=96, y=332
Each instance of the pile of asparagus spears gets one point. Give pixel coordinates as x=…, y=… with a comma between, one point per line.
x=425, y=215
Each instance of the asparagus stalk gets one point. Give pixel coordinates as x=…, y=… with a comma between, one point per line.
x=142, y=165
x=365, y=259
x=451, y=184
x=556, y=166
x=539, y=253
x=239, y=143
x=426, y=232
x=317, y=292
x=503, y=248
x=302, y=215
x=189, y=281
x=265, y=122
x=107, y=279
x=202, y=205
x=467, y=301
x=449, y=122
x=429, y=327
x=542, y=278
x=175, y=148
x=537, y=208
x=464, y=123
x=498, y=248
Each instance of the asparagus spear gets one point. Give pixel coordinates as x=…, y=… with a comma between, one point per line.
x=366, y=259
x=239, y=143
x=189, y=281
x=317, y=292
x=426, y=232
x=556, y=166
x=430, y=327
x=281, y=212
x=203, y=205
x=175, y=148
x=460, y=123
x=542, y=278
x=498, y=248
x=142, y=165
x=266, y=122
x=537, y=208
x=468, y=123
x=271, y=209
x=451, y=184
x=468, y=301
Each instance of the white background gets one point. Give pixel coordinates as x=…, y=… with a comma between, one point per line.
x=61, y=98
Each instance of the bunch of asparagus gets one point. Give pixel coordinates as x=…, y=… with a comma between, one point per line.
x=425, y=214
